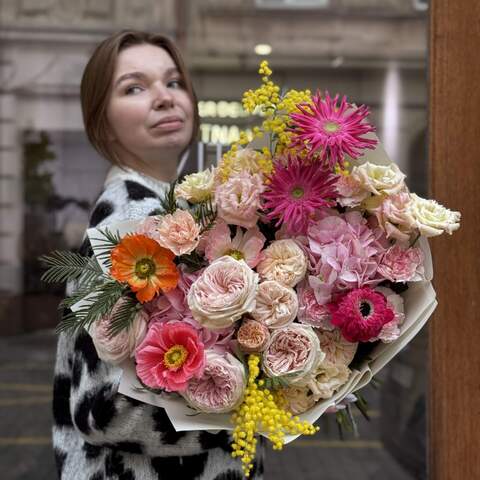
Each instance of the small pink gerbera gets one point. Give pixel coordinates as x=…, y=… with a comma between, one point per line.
x=361, y=314
x=295, y=191
x=331, y=131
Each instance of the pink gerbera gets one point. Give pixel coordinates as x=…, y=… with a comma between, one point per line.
x=361, y=314
x=295, y=191
x=331, y=131
x=169, y=356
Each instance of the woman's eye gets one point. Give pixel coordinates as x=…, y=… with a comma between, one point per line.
x=133, y=89
x=175, y=84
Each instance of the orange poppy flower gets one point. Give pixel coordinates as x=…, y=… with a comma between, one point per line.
x=145, y=265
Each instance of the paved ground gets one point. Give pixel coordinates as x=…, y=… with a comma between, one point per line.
x=26, y=363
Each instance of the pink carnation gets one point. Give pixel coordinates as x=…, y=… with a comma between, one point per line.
x=402, y=265
x=361, y=314
x=170, y=355
x=310, y=311
x=238, y=199
x=178, y=232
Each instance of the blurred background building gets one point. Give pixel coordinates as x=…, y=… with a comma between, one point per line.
x=373, y=51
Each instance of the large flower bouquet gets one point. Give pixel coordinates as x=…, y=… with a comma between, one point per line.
x=271, y=286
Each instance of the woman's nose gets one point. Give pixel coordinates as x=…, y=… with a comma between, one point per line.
x=163, y=97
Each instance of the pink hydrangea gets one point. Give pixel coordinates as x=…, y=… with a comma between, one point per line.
x=244, y=246
x=361, y=314
x=170, y=355
x=402, y=264
x=348, y=251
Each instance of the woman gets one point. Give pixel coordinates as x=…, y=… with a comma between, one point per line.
x=140, y=112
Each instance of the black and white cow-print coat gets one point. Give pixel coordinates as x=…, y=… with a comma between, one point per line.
x=101, y=434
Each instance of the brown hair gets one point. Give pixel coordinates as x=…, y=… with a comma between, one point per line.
x=97, y=78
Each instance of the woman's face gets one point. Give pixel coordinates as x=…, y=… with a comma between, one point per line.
x=150, y=113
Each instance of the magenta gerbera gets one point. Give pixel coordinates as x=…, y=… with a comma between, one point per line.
x=295, y=191
x=331, y=131
x=361, y=314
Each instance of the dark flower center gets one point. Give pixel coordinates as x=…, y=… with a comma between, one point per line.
x=365, y=308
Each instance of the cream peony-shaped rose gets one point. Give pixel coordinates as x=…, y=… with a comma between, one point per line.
x=431, y=218
x=276, y=305
x=284, y=262
x=223, y=293
x=117, y=348
x=298, y=399
x=328, y=379
x=380, y=179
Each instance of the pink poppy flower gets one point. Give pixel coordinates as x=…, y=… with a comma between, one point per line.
x=244, y=246
x=170, y=355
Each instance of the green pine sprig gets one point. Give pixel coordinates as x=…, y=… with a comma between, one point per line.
x=63, y=266
x=105, y=244
x=169, y=201
x=103, y=298
x=124, y=315
x=205, y=215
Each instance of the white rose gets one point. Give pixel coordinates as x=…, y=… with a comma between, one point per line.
x=380, y=179
x=284, y=262
x=116, y=349
x=276, y=305
x=431, y=218
x=328, y=379
x=197, y=187
x=223, y=293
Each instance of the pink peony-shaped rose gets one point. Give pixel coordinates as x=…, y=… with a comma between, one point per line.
x=361, y=314
x=244, y=246
x=348, y=249
x=351, y=191
x=238, y=199
x=117, y=348
x=170, y=356
x=402, y=264
x=252, y=336
x=178, y=232
x=310, y=312
x=284, y=262
x=276, y=304
x=223, y=293
x=220, y=388
x=292, y=353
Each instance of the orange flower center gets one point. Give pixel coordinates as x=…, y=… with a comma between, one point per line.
x=175, y=356
x=331, y=127
x=145, y=268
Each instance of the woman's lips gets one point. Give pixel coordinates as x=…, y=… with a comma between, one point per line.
x=168, y=125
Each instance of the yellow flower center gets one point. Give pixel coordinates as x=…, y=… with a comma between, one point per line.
x=236, y=254
x=297, y=192
x=145, y=268
x=331, y=127
x=175, y=356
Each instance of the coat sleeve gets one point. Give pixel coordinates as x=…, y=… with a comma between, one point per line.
x=86, y=394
